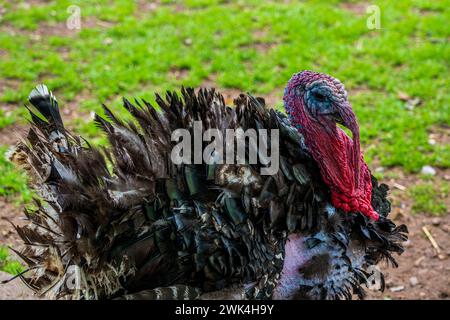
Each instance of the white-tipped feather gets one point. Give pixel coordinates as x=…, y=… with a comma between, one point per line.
x=40, y=90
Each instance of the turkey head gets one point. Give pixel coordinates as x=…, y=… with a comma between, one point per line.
x=316, y=104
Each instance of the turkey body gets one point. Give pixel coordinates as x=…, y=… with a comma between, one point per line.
x=124, y=222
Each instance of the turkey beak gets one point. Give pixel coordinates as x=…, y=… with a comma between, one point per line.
x=348, y=119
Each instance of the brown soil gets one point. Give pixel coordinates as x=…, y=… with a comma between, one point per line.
x=9, y=213
x=178, y=73
x=14, y=290
x=422, y=273
x=356, y=8
x=272, y=99
x=8, y=83
x=11, y=134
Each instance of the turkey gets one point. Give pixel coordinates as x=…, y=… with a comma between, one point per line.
x=127, y=222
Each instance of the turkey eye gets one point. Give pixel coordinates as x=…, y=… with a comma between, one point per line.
x=319, y=97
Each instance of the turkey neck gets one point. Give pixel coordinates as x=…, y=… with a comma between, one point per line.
x=339, y=158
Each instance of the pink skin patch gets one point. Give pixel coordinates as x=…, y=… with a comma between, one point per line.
x=290, y=276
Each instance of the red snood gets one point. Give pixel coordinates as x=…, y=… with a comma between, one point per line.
x=340, y=161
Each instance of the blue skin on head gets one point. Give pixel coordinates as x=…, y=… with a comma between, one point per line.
x=319, y=100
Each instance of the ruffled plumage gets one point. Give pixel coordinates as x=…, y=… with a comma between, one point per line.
x=132, y=225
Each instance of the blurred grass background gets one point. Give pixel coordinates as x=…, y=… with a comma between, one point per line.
x=397, y=76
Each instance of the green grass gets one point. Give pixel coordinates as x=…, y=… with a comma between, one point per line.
x=13, y=184
x=7, y=264
x=429, y=198
x=134, y=52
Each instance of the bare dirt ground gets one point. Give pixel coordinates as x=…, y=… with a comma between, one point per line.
x=14, y=290
x=422, y=273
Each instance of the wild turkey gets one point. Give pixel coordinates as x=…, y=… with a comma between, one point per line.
x=134, y=225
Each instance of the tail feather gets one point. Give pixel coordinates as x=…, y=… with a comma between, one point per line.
x=45, y=102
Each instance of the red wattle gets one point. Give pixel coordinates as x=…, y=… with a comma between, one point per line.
x=350, y=191
x=341, y=201
x=345, y=173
